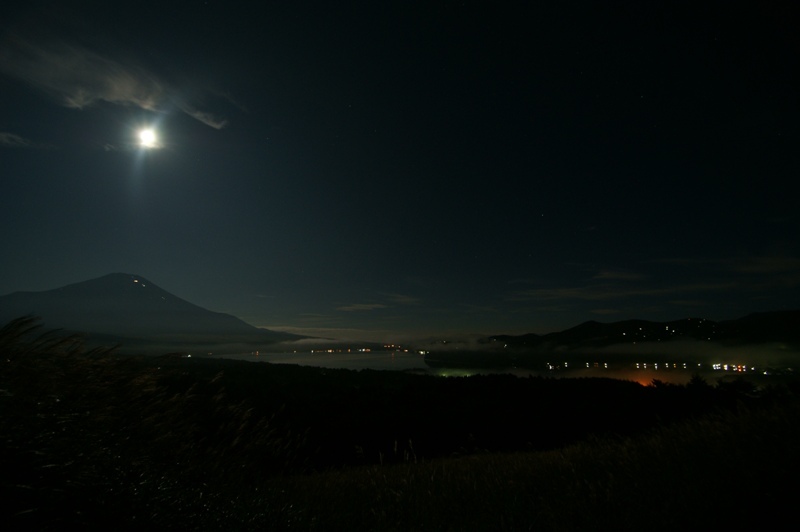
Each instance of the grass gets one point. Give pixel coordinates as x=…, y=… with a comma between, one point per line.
x=725, y=468
x=92, y=439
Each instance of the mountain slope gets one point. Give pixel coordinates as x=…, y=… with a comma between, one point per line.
x=131, y=308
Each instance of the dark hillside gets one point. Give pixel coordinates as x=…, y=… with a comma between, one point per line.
x=97, y=438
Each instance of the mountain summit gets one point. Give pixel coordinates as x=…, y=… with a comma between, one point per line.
x=133, y=311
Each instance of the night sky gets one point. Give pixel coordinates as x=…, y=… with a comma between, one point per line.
x=389, y=170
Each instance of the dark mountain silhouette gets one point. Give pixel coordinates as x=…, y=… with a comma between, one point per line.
x=773, y=336
x=129, y=309
x=777, y=326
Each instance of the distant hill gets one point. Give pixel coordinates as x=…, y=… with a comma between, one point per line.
x=778, y=326
x=131, y=310
x=775, y=332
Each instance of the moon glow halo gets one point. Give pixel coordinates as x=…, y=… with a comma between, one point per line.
x=148, y=138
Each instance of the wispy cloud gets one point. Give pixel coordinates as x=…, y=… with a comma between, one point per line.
x=767, y=265
x=755, y=265
x=10, y=140
x=358, y=307
x=605, y=311
x=203, y=116
x=324, y=335
x=481, y=309
x=598, y=292
x=688, y=302
x=401, y=299
x=679, y=282
x=77, y=77
x=389, y=300
x=602, y=275
x=765, y=273
x=618, y=275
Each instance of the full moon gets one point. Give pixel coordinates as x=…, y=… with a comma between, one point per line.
x=147, y=138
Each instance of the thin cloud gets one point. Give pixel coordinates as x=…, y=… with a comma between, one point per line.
x=768, y=265
x=10, y=140
x=324, y=335
x=203, y=116
x=681, y=261
x=617, y=275
x=766, y=273
x=755, y=265
x=401, y=299
x=602, y=275
x=358, y=307
x=77, y=78
x=604, y=311
x=390, y=299
x=688, y=302
x=548, y=309
x=311, y=316
x=607, y=292
x=481, y=309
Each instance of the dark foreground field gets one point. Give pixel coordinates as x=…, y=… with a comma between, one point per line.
x=97, y=440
